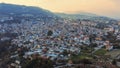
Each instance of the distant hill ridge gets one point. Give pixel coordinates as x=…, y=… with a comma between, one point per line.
x=81, y=15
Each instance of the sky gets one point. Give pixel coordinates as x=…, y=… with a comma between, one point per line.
x=110, y=8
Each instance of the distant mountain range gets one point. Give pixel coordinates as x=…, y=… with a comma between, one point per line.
x=85, y=16
x=77, y=15
x=7, y=9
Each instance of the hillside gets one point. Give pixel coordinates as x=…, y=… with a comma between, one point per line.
x=8, y=9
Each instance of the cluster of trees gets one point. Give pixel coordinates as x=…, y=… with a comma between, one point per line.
x=38, y=63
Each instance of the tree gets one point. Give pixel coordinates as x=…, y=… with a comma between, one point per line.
x=49, y=33
x=114, y=62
